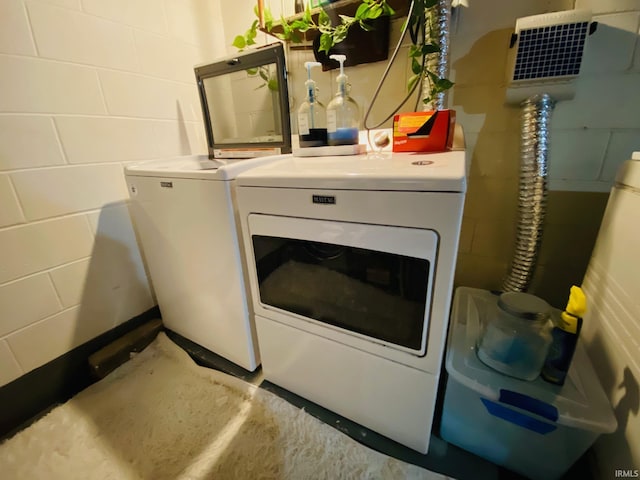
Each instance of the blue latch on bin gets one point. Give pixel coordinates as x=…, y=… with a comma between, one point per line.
x=523, y=402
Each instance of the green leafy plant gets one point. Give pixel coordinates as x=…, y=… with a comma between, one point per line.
x=243, y=41
x=419, y=23
x=270, y=80
x=249, y=38
x=424, y=44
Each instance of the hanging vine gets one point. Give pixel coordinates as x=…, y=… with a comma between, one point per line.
x=420, y=25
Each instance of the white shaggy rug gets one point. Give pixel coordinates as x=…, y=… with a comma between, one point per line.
x=161, y=416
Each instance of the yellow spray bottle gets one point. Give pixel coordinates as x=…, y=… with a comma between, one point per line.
x=565, y=338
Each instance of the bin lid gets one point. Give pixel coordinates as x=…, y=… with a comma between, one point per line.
x=580, y=402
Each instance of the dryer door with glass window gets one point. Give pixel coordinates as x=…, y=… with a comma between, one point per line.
x=366, y=285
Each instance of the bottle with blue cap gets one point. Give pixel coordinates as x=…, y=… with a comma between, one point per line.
x=312, y=126
x=343, y=114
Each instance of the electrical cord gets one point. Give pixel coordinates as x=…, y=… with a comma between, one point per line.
x=413, y=34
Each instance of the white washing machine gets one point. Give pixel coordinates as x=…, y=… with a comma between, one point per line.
x=351, y=263
x=185, y=216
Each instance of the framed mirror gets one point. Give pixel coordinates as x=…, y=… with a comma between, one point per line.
x=245, y=103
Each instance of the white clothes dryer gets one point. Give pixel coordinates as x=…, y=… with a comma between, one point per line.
x=351, y=263
x=185, y=216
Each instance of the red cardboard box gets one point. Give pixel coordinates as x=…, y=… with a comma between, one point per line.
x=423, y=131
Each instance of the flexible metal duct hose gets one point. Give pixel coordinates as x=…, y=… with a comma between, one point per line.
x=534, y=150
x=440, y=64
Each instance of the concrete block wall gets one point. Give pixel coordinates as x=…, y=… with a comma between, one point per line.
x=86, y=86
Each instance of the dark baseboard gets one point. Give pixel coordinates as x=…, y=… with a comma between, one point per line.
x=206, y=358
x=32, y=395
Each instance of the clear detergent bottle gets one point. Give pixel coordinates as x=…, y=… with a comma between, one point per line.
x=343, y=114
x=312, y=127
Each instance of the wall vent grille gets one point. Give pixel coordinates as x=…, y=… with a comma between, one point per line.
x=551, y=51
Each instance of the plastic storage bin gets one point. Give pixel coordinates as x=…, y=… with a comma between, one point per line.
x=531, y=427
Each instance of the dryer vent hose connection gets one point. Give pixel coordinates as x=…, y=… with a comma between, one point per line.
x=534, y=151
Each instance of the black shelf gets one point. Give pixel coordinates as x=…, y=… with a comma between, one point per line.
x=333, y=10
